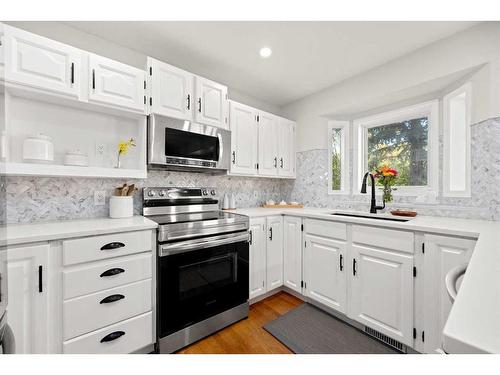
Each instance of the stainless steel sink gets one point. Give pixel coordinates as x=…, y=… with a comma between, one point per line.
x=371, y=217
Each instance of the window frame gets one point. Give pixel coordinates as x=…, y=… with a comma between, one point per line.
x=447, y=192
x=430, y=109
x=344, y=126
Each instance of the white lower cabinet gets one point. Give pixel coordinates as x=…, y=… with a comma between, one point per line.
x=382, y=291
x=442, y=254
x=292, y=253
x=274, y=252
x=257, y=256
x=266, y=255
x=324, y=271
x=27, y=311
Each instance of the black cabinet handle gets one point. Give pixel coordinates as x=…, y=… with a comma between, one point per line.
x=72, y=73
x=354, y=267
x=275, y=162
x=189, y=101
x=281, y=161
x=113, y=336
x=112, y=272
x=113, y=245
x=341, y=262
x=271, y=233
x=112, y=298
x=40, y=279
x=93, y=79
x=250, y=239
x=199, y=105
x=234, y=157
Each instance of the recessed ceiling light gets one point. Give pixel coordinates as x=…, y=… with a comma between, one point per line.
x=265, y=52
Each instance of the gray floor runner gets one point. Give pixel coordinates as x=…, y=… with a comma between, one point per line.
x=309, y=330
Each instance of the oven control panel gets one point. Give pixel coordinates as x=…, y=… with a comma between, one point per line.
x=158, y=193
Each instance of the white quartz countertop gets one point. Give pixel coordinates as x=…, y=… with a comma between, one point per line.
x=25, y=233
x=473, y=325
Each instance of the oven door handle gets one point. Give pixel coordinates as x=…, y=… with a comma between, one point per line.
x=201, y=243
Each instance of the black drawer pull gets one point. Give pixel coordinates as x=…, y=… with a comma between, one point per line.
x=113, y=336
x=113, y=245
x=40, y=279
x=112, y=272
x=354, y=267
x=341, y=262
x=112, y=298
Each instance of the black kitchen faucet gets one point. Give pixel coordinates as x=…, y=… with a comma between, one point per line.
x=373, y=203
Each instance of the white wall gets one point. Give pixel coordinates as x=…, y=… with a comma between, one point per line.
x=64, y=33
x=421, y=74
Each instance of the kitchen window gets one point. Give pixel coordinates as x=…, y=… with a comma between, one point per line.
x=456, y=143
x=338, y=157
x=406, y=140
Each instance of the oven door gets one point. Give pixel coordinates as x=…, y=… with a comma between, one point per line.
x=198, y=279
x=180, y=144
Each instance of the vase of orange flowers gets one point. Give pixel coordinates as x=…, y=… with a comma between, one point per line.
x=387, y=177
x=123, y=148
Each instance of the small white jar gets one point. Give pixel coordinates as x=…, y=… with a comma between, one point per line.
x=121, y=207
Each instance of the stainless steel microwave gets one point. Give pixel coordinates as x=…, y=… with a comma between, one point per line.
x=183, y=145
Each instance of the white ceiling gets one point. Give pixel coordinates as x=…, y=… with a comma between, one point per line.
x=307, y=56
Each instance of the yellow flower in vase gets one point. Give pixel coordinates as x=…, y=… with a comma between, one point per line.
x=123, y=148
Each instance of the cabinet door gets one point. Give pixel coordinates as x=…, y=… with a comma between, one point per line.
x=244, y=132
x=382, y=291
x=42, y=63
x=274, y=252
x=257, y=254
x=211, y=103
x=292, y=253
x=325, y=271
x=115, y=83
x=2, y=53
x=268, y=144
x=27, y=288
x=171, y=91
x=286, y=146
x=441, y=255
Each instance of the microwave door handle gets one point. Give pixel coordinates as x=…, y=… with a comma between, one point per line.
x=181, y=247
x=221, y=147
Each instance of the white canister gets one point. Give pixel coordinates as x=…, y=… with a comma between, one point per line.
x=38, y=149
x=232, y=202
x=77, y=158
x=225, y=204
x=121, y=207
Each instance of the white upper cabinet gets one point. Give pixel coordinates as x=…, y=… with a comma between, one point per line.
x=382, y=291
x=325, y=274
x=268, y=144
x=42, y=63
x=286, y=148
x=292, y=253
x=244, y=139
x=114, y=83
x=171, y=90
x=27, y=312
x=211, y=103
x=274, y=252
x=257, y=255
x=2, y=52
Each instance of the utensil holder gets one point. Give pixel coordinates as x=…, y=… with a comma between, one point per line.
x=121, y=207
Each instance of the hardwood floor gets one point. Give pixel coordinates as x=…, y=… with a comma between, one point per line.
x=248, y=336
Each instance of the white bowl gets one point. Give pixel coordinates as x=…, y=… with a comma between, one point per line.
x=77, y=158
x=38, y=148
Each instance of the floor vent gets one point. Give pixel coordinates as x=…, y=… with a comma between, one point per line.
x=386, y=339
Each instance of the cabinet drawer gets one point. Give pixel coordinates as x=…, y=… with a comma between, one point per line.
x=386, y=238
x=84, y=279
x=85, y=314
x=102, y=247
x=325, y=228
x=129, y=335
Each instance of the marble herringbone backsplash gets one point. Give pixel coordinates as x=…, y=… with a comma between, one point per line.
x=31, y=199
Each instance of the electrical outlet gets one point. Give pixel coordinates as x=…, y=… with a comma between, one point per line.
x=99, y=198
x=255, y=194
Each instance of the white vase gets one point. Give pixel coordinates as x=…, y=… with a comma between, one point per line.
x=121, y=207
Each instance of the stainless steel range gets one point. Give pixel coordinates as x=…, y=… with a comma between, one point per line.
x=202, y=264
